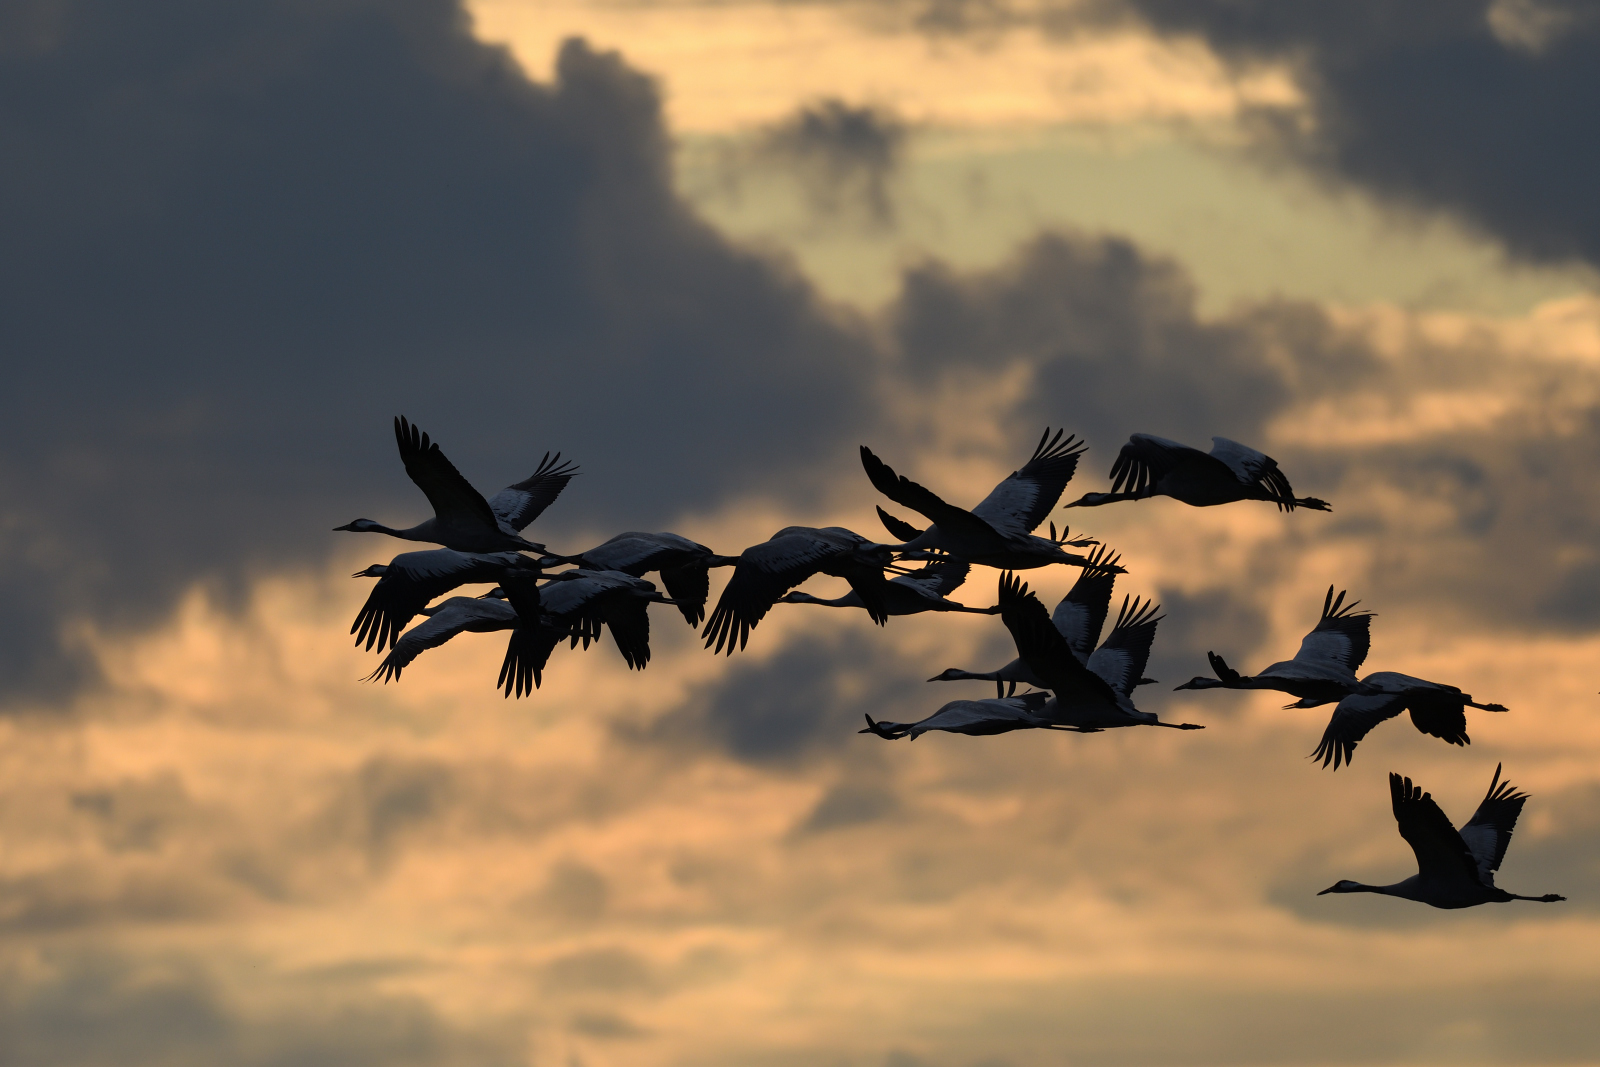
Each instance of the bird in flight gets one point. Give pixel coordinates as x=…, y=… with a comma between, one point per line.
x=998, y=532
x=462, y=518
x=1455, y=869
x=1154, y=466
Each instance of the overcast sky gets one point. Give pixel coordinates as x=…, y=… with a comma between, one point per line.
x=705, y=252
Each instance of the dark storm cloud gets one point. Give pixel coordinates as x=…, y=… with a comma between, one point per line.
x=1481, y=109
x=235, y=240
x=844, y=157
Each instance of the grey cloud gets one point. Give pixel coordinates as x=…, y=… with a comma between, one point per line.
x=805, y=702
x=844, y=157
x=574, y=894
x=1111, y=333
x=77, y=1010
x=1480, y=109
x=1499, y=520
x=136, y=814
x=1221, y=620
x=239, y=243
x=849, y=804
x=238, y=240
x=86, y=895
x=599, y=969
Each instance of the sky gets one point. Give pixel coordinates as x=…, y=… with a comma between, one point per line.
x=706, y=250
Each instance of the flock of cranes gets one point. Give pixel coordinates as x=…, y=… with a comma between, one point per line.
x=1076, y=682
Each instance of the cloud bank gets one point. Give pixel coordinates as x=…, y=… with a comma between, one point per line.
x=1477, y=109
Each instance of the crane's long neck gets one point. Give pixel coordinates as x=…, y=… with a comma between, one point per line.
x=955, y=674
x=422, y=531
x=1409, y=889
x=1208, y=683
x=849, y=600
x=941, y=604
x=1094, y=500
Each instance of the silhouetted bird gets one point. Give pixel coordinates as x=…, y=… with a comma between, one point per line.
x=1084, y=697
x=767, y=571
x=459, y=614
x=1437, y=710
x=1321, y=672
x=573, y=605
x=412, y=580
x=1117, y=661
x=1153, y=466
x=922, y=590
x=684, y=565
x=977, y=718
x=463, y=519
x=1079, y=616
x=1454, y=869
x=999, y=531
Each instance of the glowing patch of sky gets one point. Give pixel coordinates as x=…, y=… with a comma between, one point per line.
x=1017, y=131
x=1243, y=232
x=728, y=67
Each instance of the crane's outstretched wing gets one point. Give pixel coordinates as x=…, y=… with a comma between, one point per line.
x=452, y=496
x=1020, y=503
x=1354, y=718
x=1044, y=650
x=1145, y=460
x=689, y=585
x=899, y=529
x=1121, y=659
x=940, y=578
x=1440, y=851
x=414, y=580
x=1488, y=832
x=1342, y=636
x=764, y=573
x=527, y=652
x=456, y=615
x=635, y=552
x=1081, y=614
x=1436, y=709
x=1255, y=468
x=628, y=619
x=903, y=490
x=518, y=505
x=1439, y=714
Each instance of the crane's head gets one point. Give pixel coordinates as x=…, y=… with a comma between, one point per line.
x=949, y=674
x=377, y=570
x=1343, y=885
x=1089, y=500
x=797, y=597
x=361, y=526
x=1200, y=683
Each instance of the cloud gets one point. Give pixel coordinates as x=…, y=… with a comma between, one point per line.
x=242, y=240
x=1477, y=109
x=844, y=158
x=802, y=703
x=1110, y=337
x=103, y=1008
